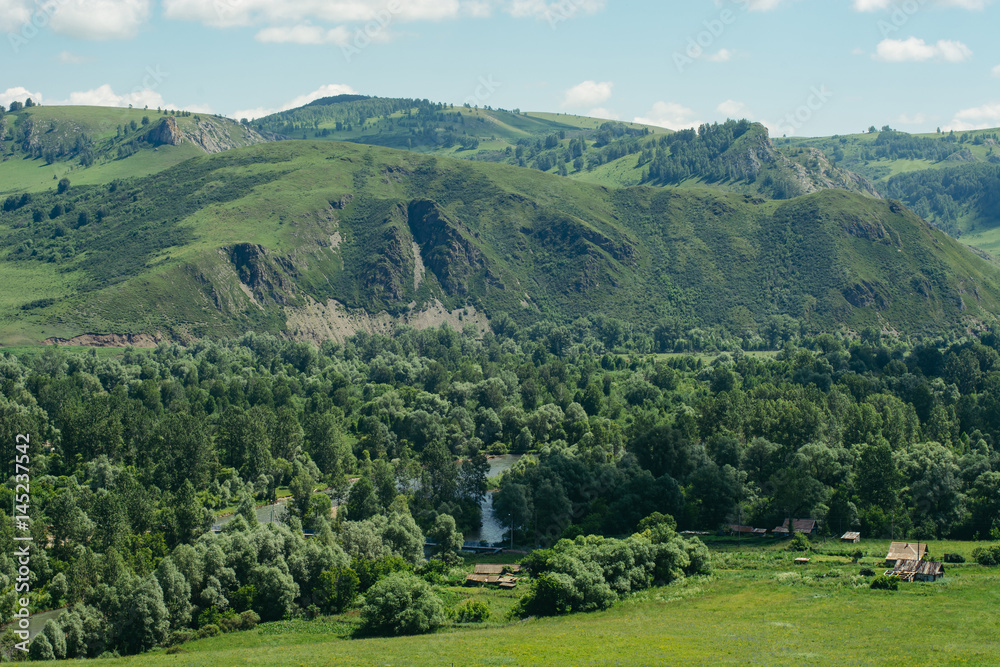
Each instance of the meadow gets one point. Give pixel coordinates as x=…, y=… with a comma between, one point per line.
x=757, y=608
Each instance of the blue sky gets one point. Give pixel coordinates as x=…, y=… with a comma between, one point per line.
x=803, y=67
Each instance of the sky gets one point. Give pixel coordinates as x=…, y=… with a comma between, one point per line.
x=802, y=67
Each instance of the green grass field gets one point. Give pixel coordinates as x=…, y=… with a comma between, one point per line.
x=758, y=608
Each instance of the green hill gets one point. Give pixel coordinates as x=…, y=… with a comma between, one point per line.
x=94, y=145
x=950, y=179
x=316, y=239
x=736, y=156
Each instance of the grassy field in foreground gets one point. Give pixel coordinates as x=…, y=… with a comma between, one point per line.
x=758, y=609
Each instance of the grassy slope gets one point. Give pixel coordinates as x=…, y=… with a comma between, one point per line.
x=20, y=172
x=546, y=244
x=758, y=608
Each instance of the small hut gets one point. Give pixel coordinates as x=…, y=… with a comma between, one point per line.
x=851, y=537
x=917, y=570
x=906, y=551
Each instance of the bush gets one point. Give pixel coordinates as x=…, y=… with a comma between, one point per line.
x=210, y=630
x=799, y=542
x=472, y=611
x=401, y=604
x=953, y=558
x=867, y=572
x=885, y=583
x=988, y=556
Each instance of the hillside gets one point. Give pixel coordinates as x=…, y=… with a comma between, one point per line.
x=317, y=239
x=735, y=156
x=95, y=145
x=950, y=179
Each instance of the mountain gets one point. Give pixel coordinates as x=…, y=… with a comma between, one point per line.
x=950, y=179
x=95, y=145
x=735, y=156
x=312, y=239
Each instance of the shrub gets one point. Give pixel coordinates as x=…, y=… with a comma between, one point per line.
x=953, y=558
x=401, y=604
x=472, y=611
x=210, y=630
x=799, y=542
x=885, y=583
x=988, y=556
x=867, y=572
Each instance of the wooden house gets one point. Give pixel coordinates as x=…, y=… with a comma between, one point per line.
x=917, y=570
x=905, y=551
x=807, y=526
x=485, y=568
x=851, y=537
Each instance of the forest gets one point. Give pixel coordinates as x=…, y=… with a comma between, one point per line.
x=134, y=456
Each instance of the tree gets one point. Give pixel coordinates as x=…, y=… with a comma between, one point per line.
x=361, y=501
x=143, y=621
x=401, y=604
x=63, y=186
x=339, y=588
x=448, y=540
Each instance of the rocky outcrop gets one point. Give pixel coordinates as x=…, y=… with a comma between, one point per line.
x=445, y=246
x=269, y=279
x=165, y=133
x=211, y=134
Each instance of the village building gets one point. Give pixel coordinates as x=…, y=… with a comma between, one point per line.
x=807, y=526
x=851, y=537
x=906, y=551
x=917, y=570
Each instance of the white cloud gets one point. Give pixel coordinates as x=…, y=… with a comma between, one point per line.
x=996, y=70
x=976, y=118
x=913, y=49
x=601, y=112
x=100, y=19
x=329, y=90
x=14, y=14
x=554, y=12
x=722, y=56
x=105, y=96
x=669, y=115
x=309, y=34
x=732, y=109
x=18, y=94
x=588, y=93
x=879, y=5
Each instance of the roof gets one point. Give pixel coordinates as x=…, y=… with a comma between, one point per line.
x=801, y=525
x=801, y=561
x=760, y=531
x=736, y=528
x=851, y=536
x=906, y=551
x=922, y=567
x=484, y=568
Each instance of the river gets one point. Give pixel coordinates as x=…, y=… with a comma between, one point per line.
x=492, y=530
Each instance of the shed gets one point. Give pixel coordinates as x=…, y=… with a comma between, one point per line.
x=808, y=526
x=481, y=579
x=906, y=551
x=802, y=561
x=851, y=537
x=486, y=568
x=917, y=570
x=760, y=532
x=736, y=529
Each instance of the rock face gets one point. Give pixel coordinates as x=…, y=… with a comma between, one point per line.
x=165, y=133
x=213, y=135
